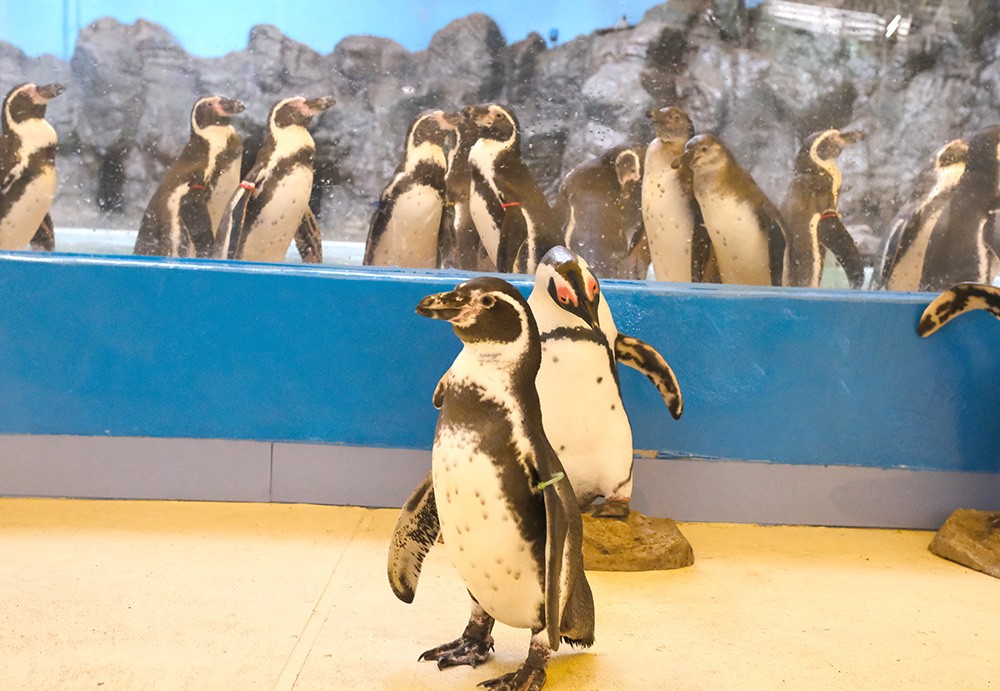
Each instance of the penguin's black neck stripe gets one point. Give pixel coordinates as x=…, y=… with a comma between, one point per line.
x=575, y=333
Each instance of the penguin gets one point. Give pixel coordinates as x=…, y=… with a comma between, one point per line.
x=962, y=246
x=509, y=210
x=578, y=386
x=460, y=246
x=271, y=205
x=810, y=211
x=27, y=168
x=599, y=208
x=679, y=246
x=187, y=207
x=905, y=243
x=746, y=229
x=497, y=492
x=957, y=300
x=406, y=227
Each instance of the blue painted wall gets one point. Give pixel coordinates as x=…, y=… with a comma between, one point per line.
x=205, y=349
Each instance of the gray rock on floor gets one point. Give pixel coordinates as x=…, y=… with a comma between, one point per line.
x=639, y=543
x=971, y=538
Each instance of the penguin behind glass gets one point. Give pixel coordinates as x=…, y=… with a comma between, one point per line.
x=746, y=229
x=903, y=247
x=679, y=246
x=187, y=207
x=496, y=491
x=812, y=218
x=270, y=206
x=405, y=229
x=963, y=243
x=599, y=208
x=582, y=408
x=508, y=207
x=27, y=168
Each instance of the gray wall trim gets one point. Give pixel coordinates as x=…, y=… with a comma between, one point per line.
x=684, y=489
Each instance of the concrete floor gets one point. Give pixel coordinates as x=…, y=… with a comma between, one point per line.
x=165, y=595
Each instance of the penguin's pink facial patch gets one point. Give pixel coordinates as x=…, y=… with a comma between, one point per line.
x=566, y=296
x=592, y=288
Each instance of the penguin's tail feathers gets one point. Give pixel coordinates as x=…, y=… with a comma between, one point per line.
x=578, y=642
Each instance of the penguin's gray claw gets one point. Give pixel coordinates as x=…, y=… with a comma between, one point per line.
x=613, y=508
x=461, y=651
x=525, y=679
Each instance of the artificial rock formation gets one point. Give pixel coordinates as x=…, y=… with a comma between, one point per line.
x=971, y=538
x=638, y=543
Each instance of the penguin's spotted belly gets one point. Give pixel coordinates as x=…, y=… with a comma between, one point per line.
x=24, y=217
x=482, y=534
x=741, y=248
x=272, y=231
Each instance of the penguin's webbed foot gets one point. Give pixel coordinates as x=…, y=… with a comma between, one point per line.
x=527, y=678
x=467, y=650
x=613, y=508
x=993, y=522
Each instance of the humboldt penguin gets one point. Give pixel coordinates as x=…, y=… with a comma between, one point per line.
x=508, y=207
x=405, y=229
x=460, y=246
x=271, y=205
x=585, y=419
x=497, y=492
x=905, y=243
x=745, y=227
x=957, y=300
x=963, y=244
x=679, y=246
x=812, y=218
x=27, y=168
x=599, y=208
x=187, y=207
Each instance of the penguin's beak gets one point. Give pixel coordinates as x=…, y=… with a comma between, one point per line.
x=481, y=115
x=49, y=91
x=230, y=106
x=313, y=106
x=845, y=139
x=684, y=159
x=446, y=306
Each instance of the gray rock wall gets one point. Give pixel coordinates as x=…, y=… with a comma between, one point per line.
x=760, y=85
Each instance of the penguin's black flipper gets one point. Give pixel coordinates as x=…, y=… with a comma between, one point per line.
x=776, y=250
x=229, y=236
x=439, y=390
x=637, y=259
x=957, y=300
x=513, y=239
x=309, y=240
x=44, y=239
x=644, y=358
x=834, y=236
x=703, y=265
x=416, y=531
x=559, y=547
x=196, y=223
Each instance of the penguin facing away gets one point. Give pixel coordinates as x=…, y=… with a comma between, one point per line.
x=496, y=492
x=965, y=297
x=746, y=229
x=187, y=207
x=270, y=206
x=406, y=227
x=578, y=385
x=599, y=208
x=679, y=246
x=508, y=207
x=963, y=243
x=27, y=168
x=810, y=211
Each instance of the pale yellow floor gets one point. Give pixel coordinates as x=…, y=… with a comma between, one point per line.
x=160, y=595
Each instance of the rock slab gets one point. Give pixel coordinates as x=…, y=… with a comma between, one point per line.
x=638, y=543
x=971, y=538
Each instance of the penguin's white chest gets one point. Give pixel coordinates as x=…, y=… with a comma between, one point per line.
x=27, y=212
x=584, y=418
x=741, y=245
x=272, y=231
x=222, y=191
x=667, y=216
x=909, y=265
x=410, y=237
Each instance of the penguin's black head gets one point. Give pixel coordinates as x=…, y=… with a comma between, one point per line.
x=495, y=122
x=826, y=145
x=483, y=310
x=27, y=101
x=297, y=111
x=951, y=154
x=703, y=151
x=626, y=162
x=671, y=123
x=567, y=280
x=431, y=127
x=214, y=110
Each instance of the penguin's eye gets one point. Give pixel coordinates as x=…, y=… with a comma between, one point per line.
x=565, y=295
x=488, y=301
x=704, y=149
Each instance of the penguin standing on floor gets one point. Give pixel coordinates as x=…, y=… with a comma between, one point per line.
x=271, y=205
x=187, y=207
x=406, y=227
x=905, y=243
x=963, y=245
x=599, y=208
x=679, y=246
x=461, y=247
x=508, y=207
x=965, y=297
x=810, y=211
x=27, y=168
x=745, y=227
x=585, y=419
x=496, y=492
